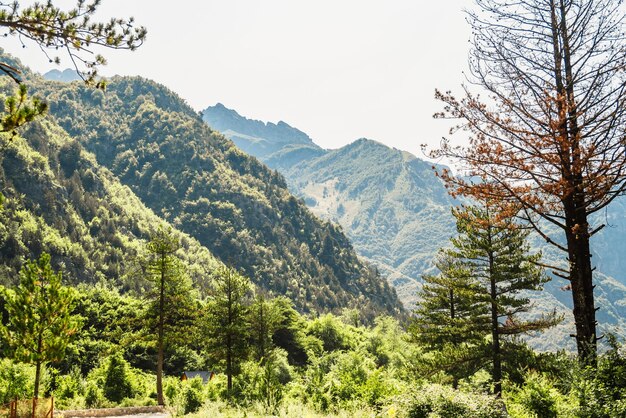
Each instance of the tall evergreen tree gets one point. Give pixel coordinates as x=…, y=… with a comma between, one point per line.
x=41, y=323
x=495, y=251
x=172, y=307
x=476, y=297
x=263, y=320
x=226, y=320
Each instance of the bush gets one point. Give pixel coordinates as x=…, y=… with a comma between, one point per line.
x=70, y=385
x=93, y=396
x=15, y=381
x=264, y=381
x=444, y=402
x=536, y=398
x=192, y=398
x=602, y=392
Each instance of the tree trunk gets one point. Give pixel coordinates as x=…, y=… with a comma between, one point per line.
x=577, y=227
x=36, y=392
x=37, y=368
x=229, y=341
x=581, y=277
x=495, y=335
x=160, y=355
x=229, y=366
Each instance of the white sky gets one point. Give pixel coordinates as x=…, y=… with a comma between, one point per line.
x=338, y=70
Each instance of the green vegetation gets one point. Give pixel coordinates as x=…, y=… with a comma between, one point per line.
x=397, y=214
x=477, y=294
x=225, y=321
x=142, y=207
x=171, y=307
x=348, y=370
x=40, y=321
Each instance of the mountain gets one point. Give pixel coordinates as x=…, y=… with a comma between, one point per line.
x=66, y=75
x=278, y=145
x=196, y=179
x=397, y=213
x=389, y=202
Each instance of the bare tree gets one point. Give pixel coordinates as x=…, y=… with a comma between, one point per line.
x=548, y=142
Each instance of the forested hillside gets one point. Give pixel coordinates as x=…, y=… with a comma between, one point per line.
x=200, y=182
x=57, y=199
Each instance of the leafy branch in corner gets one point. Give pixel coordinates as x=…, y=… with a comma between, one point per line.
x=71, y=32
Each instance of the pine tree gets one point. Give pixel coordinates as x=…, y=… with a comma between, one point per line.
x=117, y=384
x=226, y=320
x=476, y=297
x=263, y=320
x=172, y=308
x=495, y=251
x=41, y=323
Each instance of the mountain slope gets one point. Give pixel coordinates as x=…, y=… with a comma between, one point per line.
x=390, y=203
x=233, y=204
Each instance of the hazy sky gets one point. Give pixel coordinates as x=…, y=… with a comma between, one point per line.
x=337, y=69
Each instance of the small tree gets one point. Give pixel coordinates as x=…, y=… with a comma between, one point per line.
x=172, y=307
x=476, y=298
x=226, y=320
x=117, y=385
x=41, y=323
x=451, y=319
x=263, y=320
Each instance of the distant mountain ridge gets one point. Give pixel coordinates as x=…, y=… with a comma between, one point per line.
x=388, y=201
x=268, y=141
x=66, y=75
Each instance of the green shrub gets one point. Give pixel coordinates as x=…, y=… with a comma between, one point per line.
x=93, y=396
x=435, y=401
x=15, y=381
x=536, y=398
x=602, y=392
x=70, y=385
x=117, y=383
x=172, y=387
x=192, y=398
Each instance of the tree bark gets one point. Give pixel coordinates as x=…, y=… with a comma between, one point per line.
x=577, y=226
x=495, y=335
x=160, y=354
x=581, y=278
x=229, y=365
x=36, y=392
